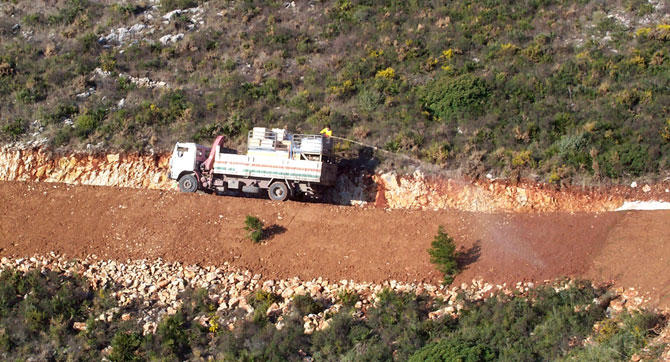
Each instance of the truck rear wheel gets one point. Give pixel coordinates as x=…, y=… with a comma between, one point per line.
x=188, y=183
x=278, y=191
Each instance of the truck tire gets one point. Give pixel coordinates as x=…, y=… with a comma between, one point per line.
x=278, y=191
x=188, y=183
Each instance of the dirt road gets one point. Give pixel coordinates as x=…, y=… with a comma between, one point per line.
x=335, y=242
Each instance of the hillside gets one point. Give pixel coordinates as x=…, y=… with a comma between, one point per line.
x=554, y=90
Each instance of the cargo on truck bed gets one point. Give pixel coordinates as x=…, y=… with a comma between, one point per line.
x=280, y=162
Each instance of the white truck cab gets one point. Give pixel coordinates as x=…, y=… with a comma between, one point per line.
x=186, y=157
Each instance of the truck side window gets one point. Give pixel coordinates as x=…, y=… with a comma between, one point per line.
x=181, y=151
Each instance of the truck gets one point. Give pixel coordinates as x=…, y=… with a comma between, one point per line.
x=284, y=164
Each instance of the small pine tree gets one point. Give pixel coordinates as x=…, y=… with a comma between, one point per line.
x=443, y=255
x=255, y=228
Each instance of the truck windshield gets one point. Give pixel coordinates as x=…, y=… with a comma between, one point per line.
x=181, y=151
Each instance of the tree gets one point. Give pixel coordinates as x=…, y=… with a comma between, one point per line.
x=255, y=228
x=443, y=255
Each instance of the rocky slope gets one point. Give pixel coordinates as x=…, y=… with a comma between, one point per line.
x=136, y=281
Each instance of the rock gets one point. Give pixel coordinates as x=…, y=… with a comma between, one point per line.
x=273, y=310
x=149, y=327
x=166, y=39
x=324, y=324
x=233, y=302
x=308, y=327
x=80, y=326
x=287, y=293
x=615, y=307
x=162, y=283
x=633, y=184
x=315, y=289
x=210, y=277
x=189, y=274
x=646, y=188
x=125, y=317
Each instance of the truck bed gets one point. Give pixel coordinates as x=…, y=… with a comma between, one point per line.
x=274, y=167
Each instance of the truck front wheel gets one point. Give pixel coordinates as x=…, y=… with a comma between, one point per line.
x=278, y=191
x=188, y=183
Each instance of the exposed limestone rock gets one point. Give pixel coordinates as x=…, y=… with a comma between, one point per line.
x=118, y=170
x=419, y=192
x=387, y=190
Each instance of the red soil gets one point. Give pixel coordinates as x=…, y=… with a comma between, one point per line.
x=631, y=249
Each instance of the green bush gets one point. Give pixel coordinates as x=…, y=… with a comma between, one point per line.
x=254, y=226
x=447, y=350
x=35, y=90
x=443, y=256
x=447, y=96
x=62, y=111
x=62, y=136
x=68, y=13
x=173, y=335
x=348, y=298
x=169, y=5
x=305, y=304
x=85, y=125
x=622, y=337
x=125, y=346
x=15, y=128
x=261, y=301
x=343, y=333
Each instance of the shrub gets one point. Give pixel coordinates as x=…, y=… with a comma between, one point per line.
x=443, y=255
x=449, y=349
x=62, y=111
x=339, y=338
x=107, y=62
x=62, y=136
x=255, y=228
x=398, y=322
x=15, y=128
x=68, y=13
x=261, y=301
x=388, y=73
x=173, y=335
x=305, y=304
x=125, y=346
x=348, y=298
x=85, y=125
x=35, y=90
x=446, y=96
x=169, y=5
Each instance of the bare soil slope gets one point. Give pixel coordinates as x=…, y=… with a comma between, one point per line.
x=335, y=242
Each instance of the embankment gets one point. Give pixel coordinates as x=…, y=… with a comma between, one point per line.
x=387, y=190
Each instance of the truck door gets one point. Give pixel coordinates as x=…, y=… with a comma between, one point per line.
x=183, y=159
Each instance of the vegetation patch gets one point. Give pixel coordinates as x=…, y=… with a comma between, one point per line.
x=42, y=313
x=523, y=88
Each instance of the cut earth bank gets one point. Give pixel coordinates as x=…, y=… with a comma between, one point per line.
x=357, y=187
